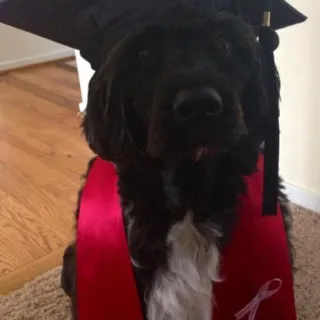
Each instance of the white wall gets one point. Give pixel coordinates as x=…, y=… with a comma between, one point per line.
x=298, y=59
x=19, y=48
x=85, y=73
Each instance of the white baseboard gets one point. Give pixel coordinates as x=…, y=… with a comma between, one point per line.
x=27, y=61
x=82, y=106
x=304, y=198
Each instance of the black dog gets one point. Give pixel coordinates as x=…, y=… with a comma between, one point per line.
x=180, y=111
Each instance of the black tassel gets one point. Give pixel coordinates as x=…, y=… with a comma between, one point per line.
x=270, y=41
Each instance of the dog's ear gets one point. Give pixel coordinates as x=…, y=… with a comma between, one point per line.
x=254, y=97
x=256, y=108
x=102, y=124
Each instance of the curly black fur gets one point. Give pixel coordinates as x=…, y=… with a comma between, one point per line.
x=129, y=120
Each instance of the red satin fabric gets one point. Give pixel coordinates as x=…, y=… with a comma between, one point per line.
x=258, y=281
x=257, y=254
x=105, y=279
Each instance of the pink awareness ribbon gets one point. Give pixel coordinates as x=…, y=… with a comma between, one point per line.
x=264, y=293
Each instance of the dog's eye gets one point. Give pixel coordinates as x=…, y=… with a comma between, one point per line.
x=145, y=56
x=224, y=46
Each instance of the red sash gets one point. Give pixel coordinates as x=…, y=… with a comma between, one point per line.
x=258, y=280
x=105, y=278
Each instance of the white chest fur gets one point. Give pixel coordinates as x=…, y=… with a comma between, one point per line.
x=184, y=290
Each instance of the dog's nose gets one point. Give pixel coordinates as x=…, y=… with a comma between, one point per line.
x=199, y=102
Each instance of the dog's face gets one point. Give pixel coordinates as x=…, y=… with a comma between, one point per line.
x=192, y=91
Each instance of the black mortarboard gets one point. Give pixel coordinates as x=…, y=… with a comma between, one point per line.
x=75, y=22
x=93, y=26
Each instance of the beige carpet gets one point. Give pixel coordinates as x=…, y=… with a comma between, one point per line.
x=42, y=298
x=307, y=279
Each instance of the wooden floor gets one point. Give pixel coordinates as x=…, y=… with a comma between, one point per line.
x=42, y=156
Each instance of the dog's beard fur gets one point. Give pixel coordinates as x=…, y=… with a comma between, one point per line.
x=179, y=182
x=184, y=289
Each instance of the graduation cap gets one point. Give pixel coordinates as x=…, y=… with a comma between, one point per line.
x=75, y=23
x=94, y=26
